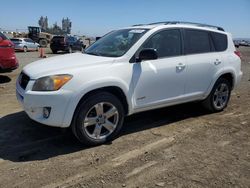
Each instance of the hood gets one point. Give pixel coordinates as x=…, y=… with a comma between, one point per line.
x=63, y=64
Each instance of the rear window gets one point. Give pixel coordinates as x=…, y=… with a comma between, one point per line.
x=58, y=38
x=220, y=41
x=16, y=40
x=197, y=41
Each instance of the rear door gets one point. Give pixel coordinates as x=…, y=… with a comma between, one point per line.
x=202, y=59
x=31, y=44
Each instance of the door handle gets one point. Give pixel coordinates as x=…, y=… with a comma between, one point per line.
x=217, y=62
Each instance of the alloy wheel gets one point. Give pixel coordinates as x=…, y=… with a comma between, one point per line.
x=101, y=120
x=221, y=96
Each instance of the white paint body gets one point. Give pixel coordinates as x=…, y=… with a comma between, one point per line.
x=146, y=85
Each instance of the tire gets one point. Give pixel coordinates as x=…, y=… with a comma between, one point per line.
x=43, y=43
x=219, y=97
x=54, y=51
x=92, y=127
x=25, y=49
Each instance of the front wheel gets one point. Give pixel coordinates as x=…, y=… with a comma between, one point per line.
x=98, y=119
x=219, y=96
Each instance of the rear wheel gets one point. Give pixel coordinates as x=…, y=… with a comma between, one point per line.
x=54, y=51
x=98, y=119
x=219, y=96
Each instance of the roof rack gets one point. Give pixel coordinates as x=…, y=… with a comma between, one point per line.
x=181, y=22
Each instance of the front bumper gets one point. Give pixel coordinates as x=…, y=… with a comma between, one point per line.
x=34, y=102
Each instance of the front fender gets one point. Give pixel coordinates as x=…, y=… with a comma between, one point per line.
x=90, y=86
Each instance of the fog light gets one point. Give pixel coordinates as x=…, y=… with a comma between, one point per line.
x=46, y=112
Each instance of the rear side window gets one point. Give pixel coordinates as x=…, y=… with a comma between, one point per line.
x=197, y=41
x=167, y=43
x=58, y=38
x=28, y=40
x=220, y=41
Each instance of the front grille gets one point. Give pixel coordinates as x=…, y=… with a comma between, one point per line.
x=23, y=80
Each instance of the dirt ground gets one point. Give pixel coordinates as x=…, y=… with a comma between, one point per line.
x=181, y=146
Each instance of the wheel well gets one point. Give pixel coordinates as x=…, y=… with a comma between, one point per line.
x=229, y=77
x=113, y=90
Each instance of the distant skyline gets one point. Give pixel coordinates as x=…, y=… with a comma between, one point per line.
x=97, y=17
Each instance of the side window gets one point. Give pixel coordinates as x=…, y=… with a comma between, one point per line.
x=30, y=41
x=196, y=41
x=167, y=43
x=220, y=41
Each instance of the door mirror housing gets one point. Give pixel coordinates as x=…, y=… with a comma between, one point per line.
x=147, y=54
x=1, y=39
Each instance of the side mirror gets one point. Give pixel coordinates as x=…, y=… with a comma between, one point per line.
x=1, y=39
x=147, y=54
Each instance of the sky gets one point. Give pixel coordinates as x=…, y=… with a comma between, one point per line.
x=97, y=17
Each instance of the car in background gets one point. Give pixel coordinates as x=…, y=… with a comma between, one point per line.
x=8, y=60
x=25, y=44
x=244, y=43
x=236, y=43
x=66, y=44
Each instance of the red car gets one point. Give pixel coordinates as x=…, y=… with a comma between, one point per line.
x=8, y=60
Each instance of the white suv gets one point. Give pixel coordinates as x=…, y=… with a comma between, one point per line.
x=131, y=70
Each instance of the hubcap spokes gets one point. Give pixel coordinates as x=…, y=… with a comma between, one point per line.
x=101, y=120
x=221, y=96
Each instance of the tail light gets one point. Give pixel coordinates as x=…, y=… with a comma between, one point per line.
x=237, y=53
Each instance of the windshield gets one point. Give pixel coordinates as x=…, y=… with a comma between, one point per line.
x=116, y=43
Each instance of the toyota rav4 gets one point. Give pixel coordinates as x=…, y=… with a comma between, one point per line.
x=127, y=71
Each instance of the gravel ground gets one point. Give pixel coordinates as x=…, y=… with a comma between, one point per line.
x=181, y=146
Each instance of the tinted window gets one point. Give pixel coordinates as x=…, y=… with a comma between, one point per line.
x=167, y=43
x=28, y=40
x=16, y=40
x=220, y=41
x=58, y=39
x=196, y=41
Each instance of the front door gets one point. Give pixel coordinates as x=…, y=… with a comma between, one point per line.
x=163, y=80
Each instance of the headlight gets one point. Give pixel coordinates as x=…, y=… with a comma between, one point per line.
x=51, y=83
